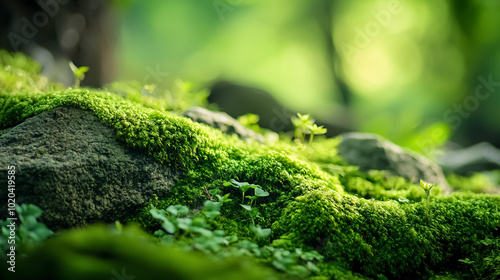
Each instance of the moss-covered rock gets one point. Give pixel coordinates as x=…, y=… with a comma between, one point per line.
x=392, y=238
x=70, y=164
x=370, y=151
x=363, y=222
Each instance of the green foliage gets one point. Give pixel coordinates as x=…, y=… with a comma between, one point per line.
x=251, y=121
x=195, y=233
x=28, y=233
x=20, y=73
x=99, y=252
x=79, y=73
x=427, y=188
x=486, y=182
x=379, y=185
x=243, y=187
x=370, y=223
x=204, y=155
x=394, y=239
x=304, y=124
x=176, y=97
x=314, y=129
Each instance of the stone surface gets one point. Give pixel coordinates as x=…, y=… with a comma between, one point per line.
x=480, y=157
x=223, y=122
x=70, y=165
x=370, y=151
x=237, y=100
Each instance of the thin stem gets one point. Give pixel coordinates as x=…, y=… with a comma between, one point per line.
x=311, y=138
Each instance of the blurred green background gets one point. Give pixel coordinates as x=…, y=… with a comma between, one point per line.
x=404, y=66
x=416, y=72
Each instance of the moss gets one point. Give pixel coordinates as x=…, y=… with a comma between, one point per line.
x=97, y=252
x=368, y=223
x=386, y=237
x=477, y=182
x=206, y=156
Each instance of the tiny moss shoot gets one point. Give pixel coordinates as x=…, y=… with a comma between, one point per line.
x=427, y=188
x=79, y=73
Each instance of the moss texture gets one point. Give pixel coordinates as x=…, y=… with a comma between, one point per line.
x=100, y=253
x=366, y=223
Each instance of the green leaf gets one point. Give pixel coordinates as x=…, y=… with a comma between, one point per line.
x=212, y=209
x=224, y=198
x=260, y=192
x=246, y=207
x=231, y=238
x=426, y=186
x=254, y=213
x=159, y=233
x=81, y=71
x=215, y=191
x=245, y=187
x=28, y=210
x=259, y=231
x=184, y=223
x=158, y=214
x=73, y=67
x=317, y=129
x=169, y=226
x=178, y=210
x=466, y=260
x=235, y=183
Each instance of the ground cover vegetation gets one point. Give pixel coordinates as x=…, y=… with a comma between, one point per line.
x=288, y=208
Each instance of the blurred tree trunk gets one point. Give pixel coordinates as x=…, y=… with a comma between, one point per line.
x=56, y=32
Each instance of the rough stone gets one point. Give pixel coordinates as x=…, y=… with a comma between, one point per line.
x=370, y=151
x=71, y=165
x=222, y=121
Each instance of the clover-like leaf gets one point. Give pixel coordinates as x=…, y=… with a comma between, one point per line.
x=260, y=192
x=178, y=210
x=246, y=207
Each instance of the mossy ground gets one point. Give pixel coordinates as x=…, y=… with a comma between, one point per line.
x=371, y=224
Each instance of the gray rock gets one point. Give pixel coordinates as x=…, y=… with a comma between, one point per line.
x=237, y=100
x=370, y=151
x=480, y=157
x=223, y=122
x=71, y=165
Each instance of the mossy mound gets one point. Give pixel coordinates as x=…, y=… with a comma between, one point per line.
x=98, y=252
x=366, y=223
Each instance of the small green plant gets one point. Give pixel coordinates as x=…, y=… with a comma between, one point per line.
x=427, y=188
x=301, y=125
x=221, y=198
x=251, y=121
x=253, y=212
x=314, y=129
x=29, y=232
x=242, y=186
x=258, y=193
x=304, y=124
x=78, y=72
x=194, y=233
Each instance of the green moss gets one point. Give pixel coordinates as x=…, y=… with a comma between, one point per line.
x=386, y=237
x=487, y=182
x=368, y=223
x=19, y=73
x=100, y=253
x=206, y=156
